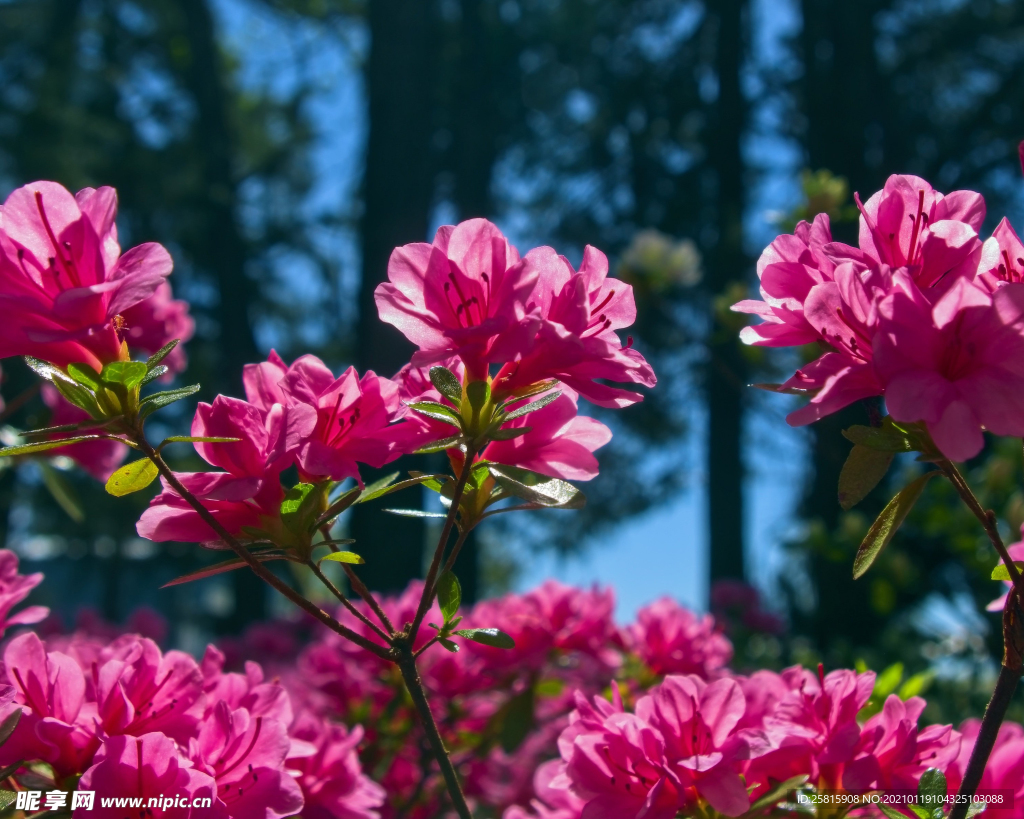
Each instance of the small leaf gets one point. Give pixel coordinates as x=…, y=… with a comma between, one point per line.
x=299, y=507
x=862, y=472
x=448, y=644
x=449, y=595
x=885, y=438
x=781, y=389
x=975, y=809
x=79, y=396
x=127, y=374
x=132, y=477
x=7, y=798
x=447, y=383
x=159, y=400
x=196, y=439
x=371, y=491
x=916, y=685
x=931, y=788
x=219, y=568
x=154, y=374
x=344, y=501
x=537, y=488
x=887, y=682
x=891, y=813
x=778, y=792
x=438, y=446
x=46, y=370
x=533, y=406
x=1000, y=572
x=478, y=393
x=86, y=376
x=885, y=526
x=397, y=487
x=414, y=513
x=8, y=725
x=63, y=492
x=488, y=636
x=342, y=557
x=43, y=446
x=162, y=353
x=439, y=412
x=508, y=434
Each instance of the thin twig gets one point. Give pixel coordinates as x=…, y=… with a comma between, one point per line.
x=359, y=587
x=260, y=570
x=346, y=602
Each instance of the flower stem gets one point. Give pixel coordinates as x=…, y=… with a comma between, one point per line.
x=326, y=581
x=407, y=665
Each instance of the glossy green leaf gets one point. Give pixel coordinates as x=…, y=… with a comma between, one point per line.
x=488, y=636
x=86, y=376
x=45, y=370
x=8, y=725
x=162, y=353
x=887, y=523
x=448, y=644
x=447, y=383
x=777, y=793
x=416, y=480
x=478, y=393
x=196, y=439
x=372, y=490
x=219, y=568
x=299, y=507
x=449, y=595
x=508, y=434
x=862, y=472
x=7, y=798
x=159, y=400
x=931, y=788
x=127, y=374
x=343, y=502
x=537, y=488
x=154, y=374
x=414, y=513
x=1000, y=572
x=439, y=412
x=780, y=389
x=533, y=406
x=976, y=808
x=43, y=446
x=343, y=557
x=438, y=446
x=63, y=492
x=891, y=813
x=79, y=396
x=132, y=477
x=885, y=438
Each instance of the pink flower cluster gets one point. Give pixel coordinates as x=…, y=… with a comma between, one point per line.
x=134, y=721
x=922, y=312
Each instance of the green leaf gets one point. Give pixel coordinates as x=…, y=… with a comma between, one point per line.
x=537, y=488
x=885, y=438
x=892, y=813
x=1000, y=572
x=533, y=406
x=438, y=446
x=127, y=374
x=397, y=487
x=159, y=400
x=916, y=685
x=449, y=595
x=196, y=439
x=342, y=557
x=518, y=721
x=7, y=798
x=79, y=396
x=43, y=446
x=447, y=383
x=885, y=526
x=777, y=793
x=975, y=809
x=508, y=434
x=780, y=389
x=439, y=412
x=931, y=788
x=374, y=489
x=86, y=376
x=494, y=637
x=153, y=375
x=299, y=507
x=132, y=477
x=63, y=492
x=448, y=644
x=862, y=472
x=219, y=568
x=414, y=513
x=478, y=393
x=919, y=812
x=46, y=370
x=344, y=501
x=888, y=681
x=162, y=353
x=8, y=725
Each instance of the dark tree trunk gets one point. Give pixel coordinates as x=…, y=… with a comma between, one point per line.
x=397, y=193
x=726, y=370
x=223, y=242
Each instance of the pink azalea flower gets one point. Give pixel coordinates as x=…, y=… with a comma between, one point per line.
x=14, y=588
x=155, y=322
x=249, y=492
x=463, y=295
x=552, y=802
x=249, y=690
x=148, y=766
x=957, y=366
x=333, y=784
x=55, y=724
x=100, y=458
x=63, y=277
x=1002, y=257
x=354, y=416
x=698, y=721
x=576, y=340
x=1005, y=769
x=893, y=753
x=671, y=639
x=559, y=443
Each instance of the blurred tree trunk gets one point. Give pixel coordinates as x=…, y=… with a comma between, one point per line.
x=726, y=369
x=397, y=194
x=224, y=241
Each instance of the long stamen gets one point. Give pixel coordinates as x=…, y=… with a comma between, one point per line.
x=252, y=744
x=1010, y=273
x=68, y=268
x=603, y=304
x=456, y=309
x=917, y=226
